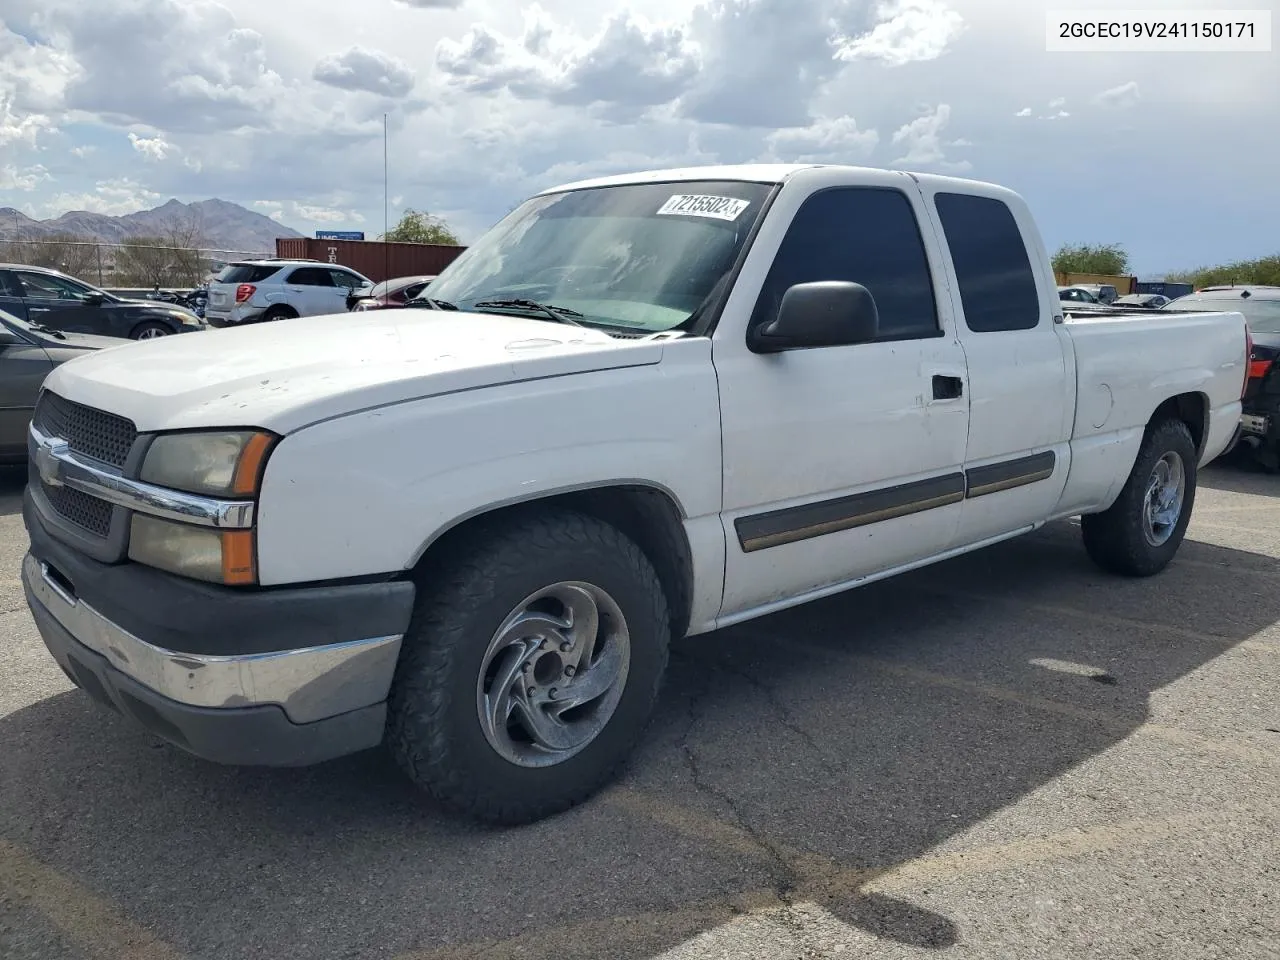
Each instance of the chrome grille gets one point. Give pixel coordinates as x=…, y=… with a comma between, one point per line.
x=79, y=508
x=103, y=436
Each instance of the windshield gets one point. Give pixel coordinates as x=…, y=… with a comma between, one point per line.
x=1262, y=316
x=639, y=256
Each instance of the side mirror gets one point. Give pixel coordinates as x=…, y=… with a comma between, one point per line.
x=827, y=313
x=95, y=299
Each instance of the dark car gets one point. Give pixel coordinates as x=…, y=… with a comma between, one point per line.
x=55, y=300
x=390, y=294
x=1260, y=422
x=28, y=354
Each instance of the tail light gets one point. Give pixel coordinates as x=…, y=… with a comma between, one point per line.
x=245, y=291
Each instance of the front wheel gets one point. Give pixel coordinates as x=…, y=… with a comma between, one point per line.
x=149, y=331
x=531, y=668
x=1143, y=529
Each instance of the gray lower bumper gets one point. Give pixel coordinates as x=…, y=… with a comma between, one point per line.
x=282, y=708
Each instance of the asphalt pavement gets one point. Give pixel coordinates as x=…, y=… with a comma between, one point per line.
x=1006, y=755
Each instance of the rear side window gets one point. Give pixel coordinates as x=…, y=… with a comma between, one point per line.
x=9, y=286
x=867, y=235
x=311, y=277
x=997, y=284
x=245, y=273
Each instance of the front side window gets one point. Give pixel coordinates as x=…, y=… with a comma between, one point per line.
x=343, y=279
x=643, y=257
x=866, y=235
x=42, y=286
x=997, y=283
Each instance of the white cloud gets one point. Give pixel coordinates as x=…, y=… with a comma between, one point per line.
x=112, y=197
x=27, y=179
x=1024, y=112
x=83, y=151
x=1057, y=102
x=432, y=4
x=908, y=31
x=369, y=70
x=923, y=140
x=153, y=148
x=318, y=214
x=836, y=140
x=17, y=127
x=752, y=63
x=1122, y=97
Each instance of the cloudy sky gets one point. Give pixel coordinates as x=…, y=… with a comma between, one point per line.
x=116, y=105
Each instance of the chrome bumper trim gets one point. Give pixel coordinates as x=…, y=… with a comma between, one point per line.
x=59, y=466
x=1254, y=424
x=309, y=684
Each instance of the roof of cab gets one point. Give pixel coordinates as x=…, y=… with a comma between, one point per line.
x=749, y=172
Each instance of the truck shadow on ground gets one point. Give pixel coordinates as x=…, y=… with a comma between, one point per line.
x=859, y=731
x=12, y=482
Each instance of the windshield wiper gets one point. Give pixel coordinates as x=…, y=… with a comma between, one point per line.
x=432, y=303
x=558, y=314
x=41, y=328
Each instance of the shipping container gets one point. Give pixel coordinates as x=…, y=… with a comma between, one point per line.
x=1123, y=285
x=376, y=260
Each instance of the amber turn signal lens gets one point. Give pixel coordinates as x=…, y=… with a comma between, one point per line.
x=238, y=568
x=249, y=467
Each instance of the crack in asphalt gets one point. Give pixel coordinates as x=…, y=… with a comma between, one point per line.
x=784, y=878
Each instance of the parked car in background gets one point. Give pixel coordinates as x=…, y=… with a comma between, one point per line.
x=1143, y=301
x=1260, y=417
x=393, y=293
x=28, y=354
x=1077, y=295
x=55, y=300
x=251, y=291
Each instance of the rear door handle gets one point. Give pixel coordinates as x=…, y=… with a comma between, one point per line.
x=947, y=388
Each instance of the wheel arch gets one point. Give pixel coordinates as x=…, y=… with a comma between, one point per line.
x=647, y=512
x=1191, y=408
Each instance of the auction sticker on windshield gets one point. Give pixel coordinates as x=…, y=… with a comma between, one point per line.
x=700, y=205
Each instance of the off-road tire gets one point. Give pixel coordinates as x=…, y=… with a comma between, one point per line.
x=433, y=727
x=1114, y=539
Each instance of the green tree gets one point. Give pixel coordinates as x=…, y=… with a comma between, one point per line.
x=1110, y=259
x=421, y=227
x=1264, y=271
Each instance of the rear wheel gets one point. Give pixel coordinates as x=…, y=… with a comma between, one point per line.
x=150, y=330
x=279, y=313
x=531, y=668
x=1143, y=529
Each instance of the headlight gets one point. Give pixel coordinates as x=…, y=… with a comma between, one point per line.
x=202, y=553
x=222, y=464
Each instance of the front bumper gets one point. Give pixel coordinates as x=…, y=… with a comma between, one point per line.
x=266, y=678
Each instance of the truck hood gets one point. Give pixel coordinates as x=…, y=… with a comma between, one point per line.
x=286, y=374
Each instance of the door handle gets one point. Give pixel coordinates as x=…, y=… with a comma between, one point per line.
x=947, y=388
x=38, y=309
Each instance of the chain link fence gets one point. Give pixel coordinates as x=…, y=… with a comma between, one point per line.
x=141, y=263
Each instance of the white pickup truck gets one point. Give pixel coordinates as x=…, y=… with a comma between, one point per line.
x=639, y=408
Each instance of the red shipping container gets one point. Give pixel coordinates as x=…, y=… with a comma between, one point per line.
x=374, y=259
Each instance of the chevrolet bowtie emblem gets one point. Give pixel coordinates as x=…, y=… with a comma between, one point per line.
x=47, y=462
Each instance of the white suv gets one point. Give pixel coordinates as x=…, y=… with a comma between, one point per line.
x=251, y=290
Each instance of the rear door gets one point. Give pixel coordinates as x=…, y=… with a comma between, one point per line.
x=312, y=292
x=23, y=367
x=1022, y=394
x=11, y=295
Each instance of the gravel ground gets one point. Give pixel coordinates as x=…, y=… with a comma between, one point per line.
x=1005, y=755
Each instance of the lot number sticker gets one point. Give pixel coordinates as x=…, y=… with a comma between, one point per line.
x=695, y=205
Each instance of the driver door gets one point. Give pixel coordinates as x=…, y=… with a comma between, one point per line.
x=841, y=462
x=59, y=303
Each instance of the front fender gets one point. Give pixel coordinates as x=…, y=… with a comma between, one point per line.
x=366, y=493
